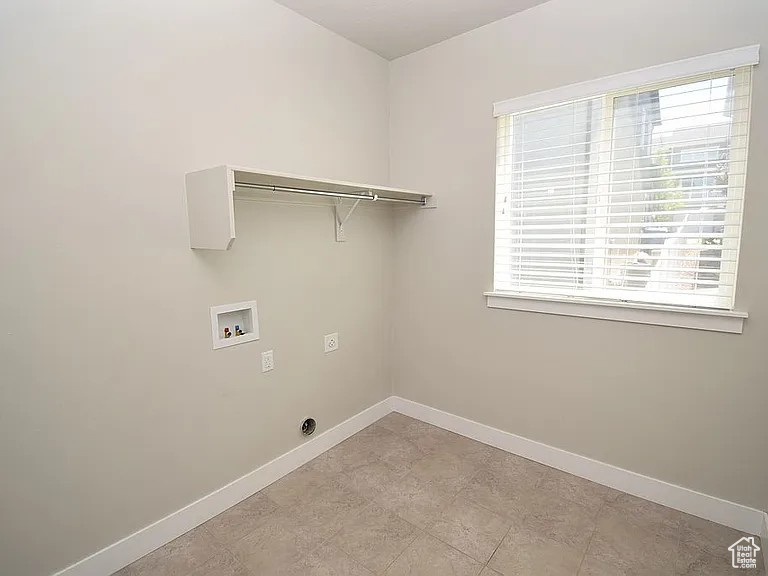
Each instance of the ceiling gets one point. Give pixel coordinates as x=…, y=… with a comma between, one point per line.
x=393, y=28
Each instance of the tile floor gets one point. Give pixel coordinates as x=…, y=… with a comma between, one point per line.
x=405, y=498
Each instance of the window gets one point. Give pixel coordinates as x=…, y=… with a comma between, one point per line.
x=628, y=195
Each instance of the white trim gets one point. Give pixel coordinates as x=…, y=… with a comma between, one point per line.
x=729, y=321
x=136, y=545
x=685, y=500
x=717, y=61
x=132, y=547
x=251, y=324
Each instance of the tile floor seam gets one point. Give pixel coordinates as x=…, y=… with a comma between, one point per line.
x=304, y=556
x=509, y=530
x=592, y=535
x=239, y=563
x=348, y=555
x=221, y=545
x=678, y=545
x=382, y=462
x=456, y=497
x=328, y=540
x=436, y=537
x=573, y=500
x=211, y=537
x=237, y=556
x=225, y=548
x=256, y=527
x=483, y=506
x=419, y=532
x=377, y=502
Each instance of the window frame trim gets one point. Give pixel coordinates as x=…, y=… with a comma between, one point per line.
x=713, y=320
x=723, y=320
x=726, y=59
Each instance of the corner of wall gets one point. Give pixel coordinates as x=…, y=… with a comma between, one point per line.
x=764, y=532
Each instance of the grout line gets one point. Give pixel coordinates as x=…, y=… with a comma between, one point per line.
x=336, y=533
x=454, y=548
x=592, y=535
x=425, y=531
x=496, y=512
x=239, y=563
x=436, y=537
x=332, y=476
x=499, y=545
x=679, y=543
x=352, y=558
x=371, y=502
x=418, y=533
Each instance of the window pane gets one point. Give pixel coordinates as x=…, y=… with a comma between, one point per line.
x=550, y=161
x=635, y=196
x=671, y=150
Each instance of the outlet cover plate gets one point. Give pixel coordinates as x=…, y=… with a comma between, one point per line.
x=267, y=361
x=332, y=342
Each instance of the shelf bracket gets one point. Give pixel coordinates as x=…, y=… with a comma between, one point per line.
x=340, y=235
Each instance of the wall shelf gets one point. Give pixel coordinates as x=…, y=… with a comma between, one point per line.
x=211, y=194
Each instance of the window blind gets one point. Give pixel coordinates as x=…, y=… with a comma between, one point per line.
x=633, y=195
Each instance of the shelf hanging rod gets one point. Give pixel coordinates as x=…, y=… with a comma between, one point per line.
x=312, y=192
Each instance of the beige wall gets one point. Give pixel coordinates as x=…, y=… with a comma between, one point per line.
x=683, y=406
x=114, y=410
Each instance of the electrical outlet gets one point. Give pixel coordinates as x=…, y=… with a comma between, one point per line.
x=267, y=361
x=332, y=342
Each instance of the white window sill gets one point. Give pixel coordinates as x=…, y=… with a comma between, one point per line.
x=638, y=313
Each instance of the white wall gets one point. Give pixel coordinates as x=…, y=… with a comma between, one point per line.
x=683, y=406
x=114, y=410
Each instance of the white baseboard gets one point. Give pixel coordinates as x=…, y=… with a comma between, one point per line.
x=133, y=547
x=685, y=500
